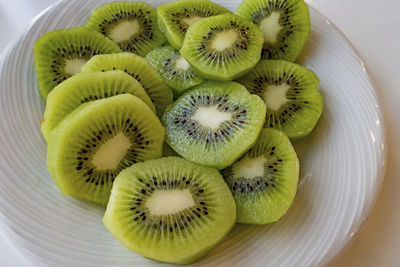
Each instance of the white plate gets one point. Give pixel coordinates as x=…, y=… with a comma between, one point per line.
x=342, y=165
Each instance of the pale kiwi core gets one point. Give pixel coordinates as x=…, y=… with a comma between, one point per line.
x=124, y=30
x=73, y=66
x=181, y=63
x=164, y=202
x=270, y=27
x=224, y=40
x=190, y=20
x=211, y=117
x=275, y=96
x=249, y=168
x=111, y=152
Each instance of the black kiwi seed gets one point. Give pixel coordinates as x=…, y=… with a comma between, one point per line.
x=255, y=184
x=294, y=20
x=241, y=43
x=171, y=222
x=196, y=131
x=89, y=148
x=60, y=56
x=107, y=17
x=171, y=66
x=303, y=106
x=288, y=110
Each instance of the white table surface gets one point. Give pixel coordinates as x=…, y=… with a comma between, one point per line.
x=374, y=28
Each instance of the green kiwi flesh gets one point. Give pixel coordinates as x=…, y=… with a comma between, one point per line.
x=138, y=68
x=85, y=87
x=60, y=54
x=174, y=69
x=222, y=47
x=285, y=25
x=175, y=18
x=92, y=144
x=132, y=25
x=214, y=123
x=290, y=91
x=264, y=181
x=170, y=209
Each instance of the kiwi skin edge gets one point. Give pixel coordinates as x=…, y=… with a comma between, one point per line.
x=265, y=199
x=230, y=70
x=175, y=136
x=64, y=144
x=205, y=236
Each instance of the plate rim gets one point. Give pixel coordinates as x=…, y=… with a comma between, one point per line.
x=381, y=170
x=6, y=231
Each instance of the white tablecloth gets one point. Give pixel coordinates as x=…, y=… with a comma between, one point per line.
x=374, y=28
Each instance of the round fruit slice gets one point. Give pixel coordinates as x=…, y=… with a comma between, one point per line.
x=85, y=87
x=170, y=209
x=222, y=47
x=88, y=149
x=285, y=25
x=139, y=69
x=132, y=25
x=61, y=54
x=214, y=123
x=264, y=181
x=290, y=91
x=173, y=68
x=176, y=17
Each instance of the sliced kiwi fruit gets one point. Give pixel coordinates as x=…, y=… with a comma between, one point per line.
x=138, y=68
x=222, y=47
x=88, y=149
x=174, y=69
x=60, y=54
x=290, y=92
x=132, y=25
x=285, y=25
x=214, y=123
x=264, y=181
x=85, y=87
x=170, y=209
x=175, y=18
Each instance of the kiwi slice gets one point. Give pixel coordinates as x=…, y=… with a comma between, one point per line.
x=170, y=209
x=88, y=149
x=214, y=123
x=132, y=25
x=60, y=54
x=290, y=91
x=285, y=24
x=222, y=47
x=264, y=181
x=138, y=68
x=85, y=87
x=175, y=18
x=173, y=68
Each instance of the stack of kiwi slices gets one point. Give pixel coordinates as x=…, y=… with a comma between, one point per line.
x=180, y=120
